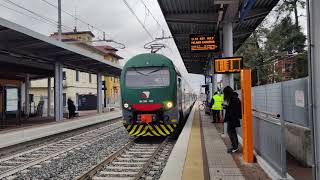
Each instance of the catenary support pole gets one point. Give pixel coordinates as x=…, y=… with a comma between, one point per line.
x=59, y=21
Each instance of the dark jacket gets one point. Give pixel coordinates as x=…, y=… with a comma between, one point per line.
x=233, y=111
x=71, y=106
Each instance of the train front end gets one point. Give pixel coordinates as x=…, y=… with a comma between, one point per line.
x=148, y=92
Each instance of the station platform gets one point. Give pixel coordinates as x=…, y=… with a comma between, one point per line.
x=201, y=153
x=48, y=127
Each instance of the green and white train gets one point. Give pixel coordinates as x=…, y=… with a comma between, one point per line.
x=156, y=99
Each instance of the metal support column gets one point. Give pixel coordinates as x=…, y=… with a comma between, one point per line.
x=215, y=83
x=58, y=92
x=314, y=84
x=228, y=51
x=99, y=93
x=27, y=98
x=49, y=97
x=227, y=79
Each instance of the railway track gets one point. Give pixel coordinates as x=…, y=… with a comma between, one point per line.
x=132, y=161
x=21, y=161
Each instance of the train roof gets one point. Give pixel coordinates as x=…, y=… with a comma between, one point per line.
x=150, y=59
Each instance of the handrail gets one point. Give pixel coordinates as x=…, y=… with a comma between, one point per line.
x=277, y=116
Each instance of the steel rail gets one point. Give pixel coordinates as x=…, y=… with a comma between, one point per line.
x=34, y=161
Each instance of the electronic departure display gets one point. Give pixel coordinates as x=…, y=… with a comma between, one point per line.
x=204, y=43
x=227, y=65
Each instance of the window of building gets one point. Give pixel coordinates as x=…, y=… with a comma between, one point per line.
x=64, y=75
x=90, y=78
x=64, y=99
x=77, y=75
x=77, y=98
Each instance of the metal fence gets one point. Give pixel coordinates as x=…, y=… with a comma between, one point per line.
x=269, y=140
x=288, y=98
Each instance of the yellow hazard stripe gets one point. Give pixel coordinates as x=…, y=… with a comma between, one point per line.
x=165, y=129
x=144, y=131
x=128, y=128
x=138, y=130
x=160, y=131
x=153, y=131
x=169, y=126
x=148, y=134
x=133, y=129
x=174, y=125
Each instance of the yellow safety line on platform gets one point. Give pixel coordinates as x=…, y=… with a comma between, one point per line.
x=193, y=167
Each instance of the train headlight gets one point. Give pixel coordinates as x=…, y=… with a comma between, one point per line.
x=126, y=105
x=169, y=104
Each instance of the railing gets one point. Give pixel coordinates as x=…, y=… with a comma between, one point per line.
x=269, y=139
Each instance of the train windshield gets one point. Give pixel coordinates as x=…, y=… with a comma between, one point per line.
x=143, y=77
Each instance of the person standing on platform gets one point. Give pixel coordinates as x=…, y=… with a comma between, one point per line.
x=216, y=107
x=232, y=116
x=71, y=108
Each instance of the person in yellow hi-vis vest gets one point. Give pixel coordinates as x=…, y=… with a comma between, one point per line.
x=216, y=107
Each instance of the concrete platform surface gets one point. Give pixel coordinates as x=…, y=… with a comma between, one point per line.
x=20, y=135
x=220, y=164
x=200, y=153
x=175, y=164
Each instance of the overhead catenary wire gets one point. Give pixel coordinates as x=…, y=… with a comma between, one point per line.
x=136, y=16
x=24, y=14
x=77, y=18
x=159, y=25
x=146, y=7
x=34, y=13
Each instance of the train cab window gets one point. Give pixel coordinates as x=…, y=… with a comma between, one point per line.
x=147, y=77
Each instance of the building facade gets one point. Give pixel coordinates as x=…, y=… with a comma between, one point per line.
x=77, y=83
x=112, y=83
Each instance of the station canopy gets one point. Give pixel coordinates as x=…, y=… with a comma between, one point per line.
x=23, y=51
x=186, y=17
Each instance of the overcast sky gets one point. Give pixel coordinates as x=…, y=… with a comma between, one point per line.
x=111, y=16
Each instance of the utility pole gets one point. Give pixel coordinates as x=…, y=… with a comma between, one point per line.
x=59, y=21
